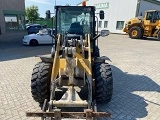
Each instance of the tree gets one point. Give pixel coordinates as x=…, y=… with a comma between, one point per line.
x=32, y=13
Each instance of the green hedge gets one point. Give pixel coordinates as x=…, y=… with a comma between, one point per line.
x=45, y=22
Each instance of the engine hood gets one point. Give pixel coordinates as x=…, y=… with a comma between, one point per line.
x=135, y=20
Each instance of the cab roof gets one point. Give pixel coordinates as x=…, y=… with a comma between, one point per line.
x=151, y=10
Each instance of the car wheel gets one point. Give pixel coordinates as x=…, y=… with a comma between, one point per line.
x=33, y=42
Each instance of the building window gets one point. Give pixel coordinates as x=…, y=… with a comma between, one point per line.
x=105, y=24
x=100, y=24
x=120, y=25
x=11, y=22
x=14, y=21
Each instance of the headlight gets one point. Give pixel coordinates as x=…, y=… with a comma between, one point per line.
x=129, y=22
x=25, y=38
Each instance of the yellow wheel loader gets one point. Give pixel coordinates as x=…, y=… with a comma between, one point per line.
x=70, y=82
x=149, y=26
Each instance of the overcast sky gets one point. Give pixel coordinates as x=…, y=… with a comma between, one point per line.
x=44, y=5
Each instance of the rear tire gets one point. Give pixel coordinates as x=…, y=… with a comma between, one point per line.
x=103, y=82
x=135, y=32
x=40, y=81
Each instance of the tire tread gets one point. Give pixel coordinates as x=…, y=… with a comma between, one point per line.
x=104, y=82
x=40, y=81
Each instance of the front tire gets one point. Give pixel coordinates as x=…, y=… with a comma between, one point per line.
x=40, y=81
x=103, y=82
x=33, y=42
x=135, y=32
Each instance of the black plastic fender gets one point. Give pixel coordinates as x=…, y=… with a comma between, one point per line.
x=101, y=59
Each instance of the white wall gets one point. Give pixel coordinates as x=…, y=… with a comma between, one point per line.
x=144, y=5
x=119, y=10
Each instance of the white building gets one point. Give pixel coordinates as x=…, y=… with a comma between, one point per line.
x=117, y=12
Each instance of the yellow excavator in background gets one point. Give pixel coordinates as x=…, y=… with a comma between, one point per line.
x=139, y=27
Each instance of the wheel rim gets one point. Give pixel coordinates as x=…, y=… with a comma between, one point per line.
x=134, y=33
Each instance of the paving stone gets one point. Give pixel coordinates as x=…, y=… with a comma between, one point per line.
x=135, y=66
x=2, y=111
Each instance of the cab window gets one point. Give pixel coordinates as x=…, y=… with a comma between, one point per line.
x=149, y=15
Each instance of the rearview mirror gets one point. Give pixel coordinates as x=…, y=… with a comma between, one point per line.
x=104, y=33
x=101, y=14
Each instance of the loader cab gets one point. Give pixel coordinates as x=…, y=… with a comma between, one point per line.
x=157, y=15
x=79, y=20
x=152, y=16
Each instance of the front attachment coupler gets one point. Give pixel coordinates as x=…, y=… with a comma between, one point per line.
x=58, y=115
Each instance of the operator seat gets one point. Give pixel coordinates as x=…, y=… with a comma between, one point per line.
x=76, y=28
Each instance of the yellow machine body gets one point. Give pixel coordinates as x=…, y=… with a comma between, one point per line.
x=147, y=26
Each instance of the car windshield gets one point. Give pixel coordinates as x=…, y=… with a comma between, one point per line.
x=46, y=31
x=43, y=31
x=71, y=19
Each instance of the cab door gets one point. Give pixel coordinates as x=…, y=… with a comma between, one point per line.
x=150, y=23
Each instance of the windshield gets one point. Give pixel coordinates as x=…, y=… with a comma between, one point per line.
x=153, y=15
x=74, y=20
x=158, y=15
